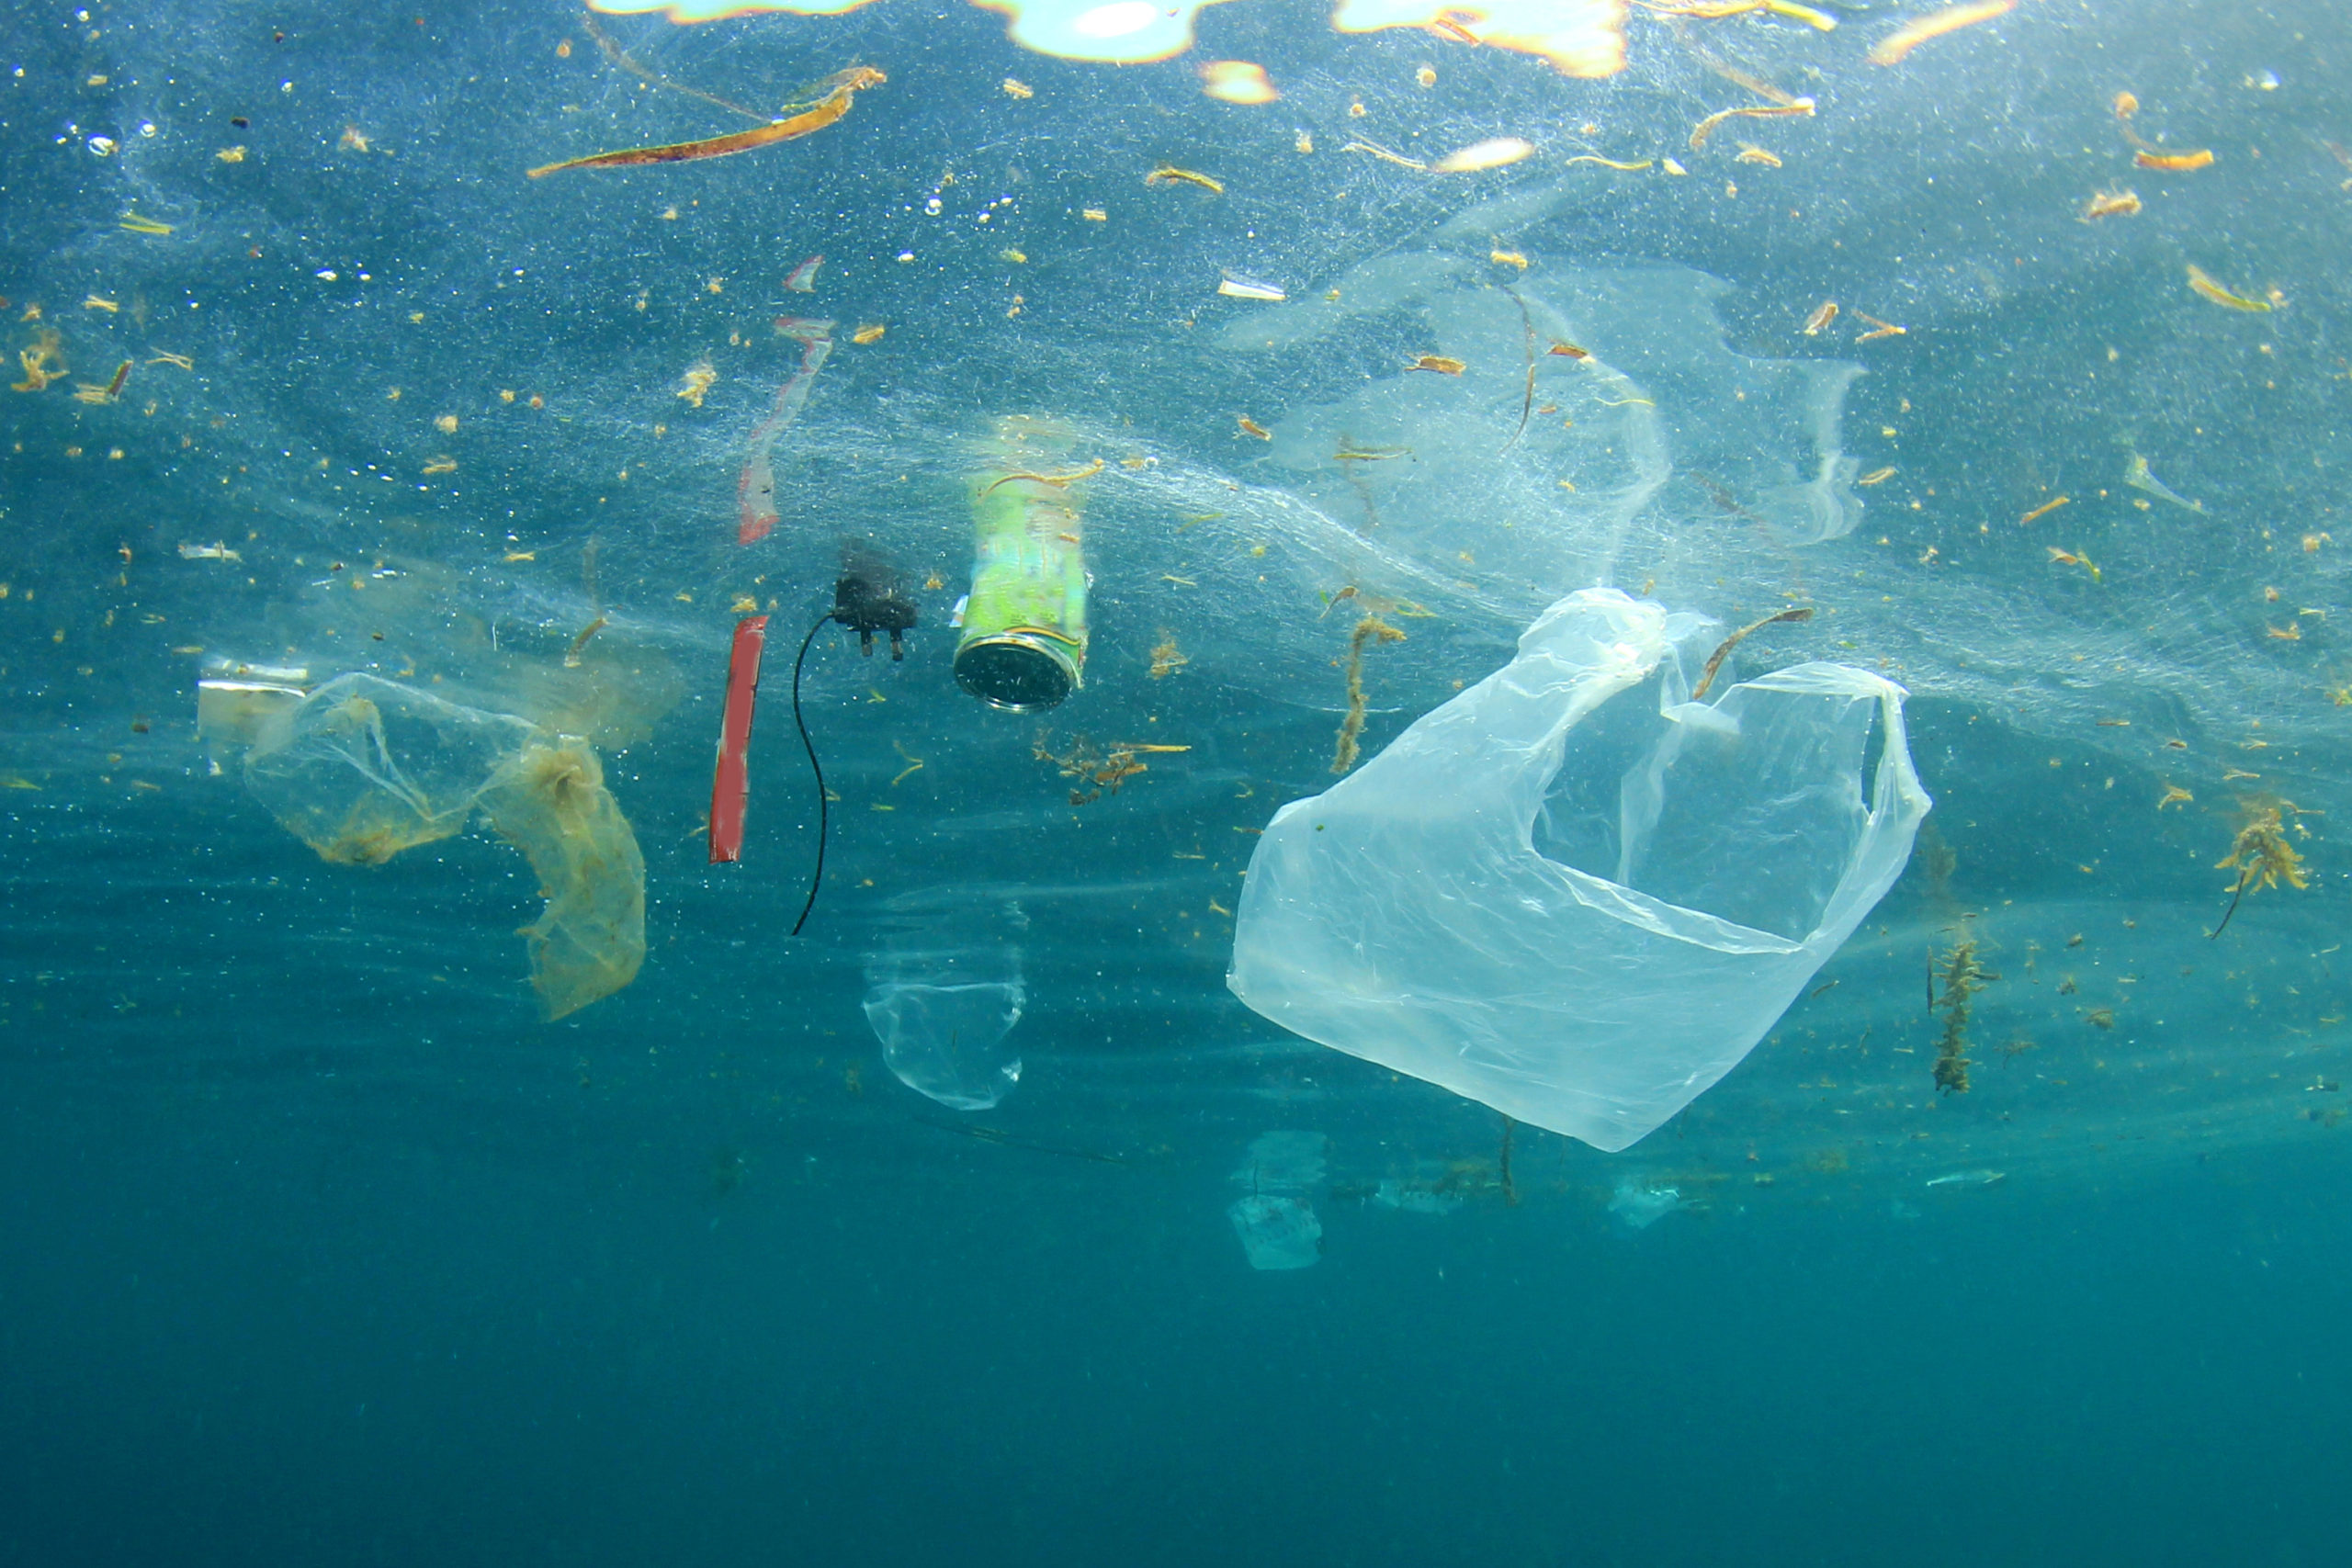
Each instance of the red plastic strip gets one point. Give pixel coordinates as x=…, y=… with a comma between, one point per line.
x=731, y=787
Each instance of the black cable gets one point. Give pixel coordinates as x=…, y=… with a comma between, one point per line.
x=817, y=879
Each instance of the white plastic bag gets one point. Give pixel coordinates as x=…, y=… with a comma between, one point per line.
x=1582, y=911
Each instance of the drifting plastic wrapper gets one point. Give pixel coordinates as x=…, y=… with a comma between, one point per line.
x=1579, y=903
x=1276, y=1220
x=942, y=1018
x=362, y=768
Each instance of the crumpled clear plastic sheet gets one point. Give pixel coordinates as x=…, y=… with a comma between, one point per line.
x=943, y=1015
x=1638, y=1203
x=363, y=768
x=1583, y=911
x=1276, y=1220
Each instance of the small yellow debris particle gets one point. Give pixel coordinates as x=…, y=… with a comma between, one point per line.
x=96, y=302
x=231, y=154
x=1306, y=143
x=353, y=140
x=505, y=394
x=2175, y=796
x=1751, y=154
x=1169, y=174
x=447, y=424
x=513, y=556
x=870, y=333
x=1876, y=477
x=1010, y=254
x=1425, y=77
x=697, y=381
x=1507, y=258
x=442, y=466
x=1095, y=215
x=137, y=225
x=1015, y=89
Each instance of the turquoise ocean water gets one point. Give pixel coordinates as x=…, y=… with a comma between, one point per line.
x=981, y=1219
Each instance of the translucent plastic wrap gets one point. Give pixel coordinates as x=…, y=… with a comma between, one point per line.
x=1583, y=911
x=590, y=940
x=363, y=768
x=943, y=1015
x=1276, y=1220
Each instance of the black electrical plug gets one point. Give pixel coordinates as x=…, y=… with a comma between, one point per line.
x=866, y=600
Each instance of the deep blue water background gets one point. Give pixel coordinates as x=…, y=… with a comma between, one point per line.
x=231, y=1342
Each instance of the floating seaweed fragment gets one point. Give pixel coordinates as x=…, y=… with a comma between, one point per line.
x=2074, y=557
x=1369, y=630
x=2261, y=855
x=113, y=390
x=1376, y=150
x=1706, y=128
x=2045, y=509
x=1167, y=173
x=2111, y=204
x=1715, y=660
x=1822, y=316
x=832, y=100
x=37, y=361
x=2176, y=162
x=1891, y=50
x=1963, y=978
x=1105, y=769
x=1442, y=364
x=2201, y=283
